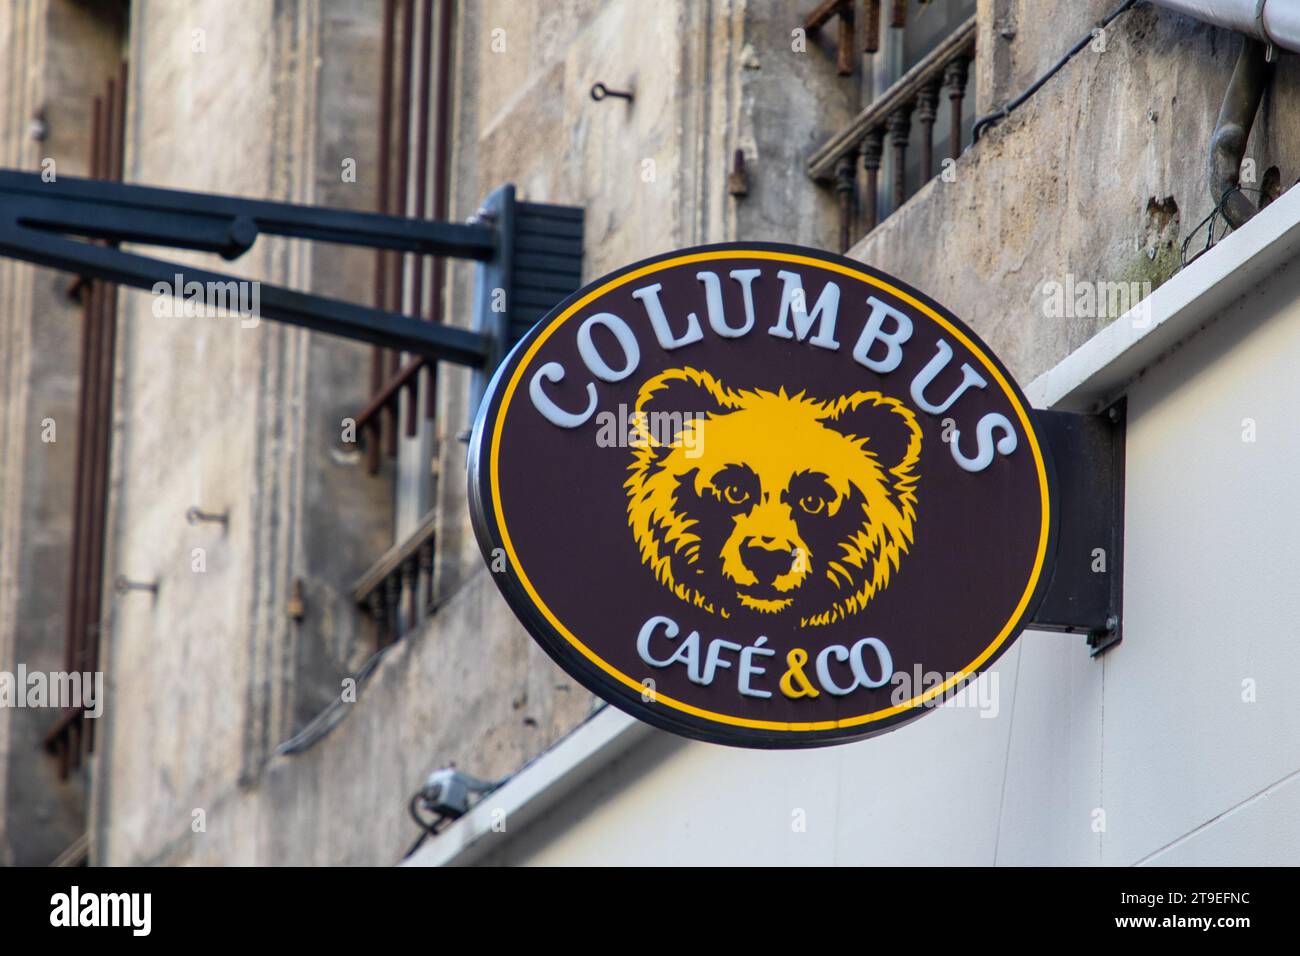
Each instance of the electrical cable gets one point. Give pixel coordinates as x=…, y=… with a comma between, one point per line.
x=323, y=723
x=984, y=122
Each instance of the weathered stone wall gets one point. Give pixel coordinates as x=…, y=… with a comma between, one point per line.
x=240, y=418
x=58, y=55
x=650, y=175
x=344, y=800
x=709, y=78
x=1100, y=176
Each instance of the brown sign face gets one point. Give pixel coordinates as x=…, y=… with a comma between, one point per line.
x=760, y=495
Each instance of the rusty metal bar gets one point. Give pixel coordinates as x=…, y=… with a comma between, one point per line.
x=397, y=290
x=844, y=54
x=421, y=189
x=898, y=14
x=104, y=426
x=871, y=29
x=56, y=737
x=71, y=737
x=101, y=417
x=398, y=191
x=823, y=12
x=94, y=426
x=389, y=393
x=381, y=202
x=117, y=152
x=440, y=165
x=77, y=591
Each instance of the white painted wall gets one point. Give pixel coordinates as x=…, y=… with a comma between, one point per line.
x=1155, y=733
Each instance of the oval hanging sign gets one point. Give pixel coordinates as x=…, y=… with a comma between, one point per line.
x=760, y=495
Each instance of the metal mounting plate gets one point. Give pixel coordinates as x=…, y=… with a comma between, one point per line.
x=1085, y=593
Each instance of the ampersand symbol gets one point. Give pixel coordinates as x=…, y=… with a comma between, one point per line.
x=794, y=682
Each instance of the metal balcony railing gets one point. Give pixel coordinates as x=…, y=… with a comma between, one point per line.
x=887, y=123
x=398, y=591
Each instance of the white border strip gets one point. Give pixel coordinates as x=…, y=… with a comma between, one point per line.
x=534, y=789
x=1101, y=369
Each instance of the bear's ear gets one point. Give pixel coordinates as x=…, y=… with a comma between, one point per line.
x=677, y=396
x=889, y=427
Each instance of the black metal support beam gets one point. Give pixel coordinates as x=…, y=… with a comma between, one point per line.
x=1085, y=593
x=215, y=223
x=36, y=218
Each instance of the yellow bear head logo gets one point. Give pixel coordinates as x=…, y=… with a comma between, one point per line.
x=774, y=503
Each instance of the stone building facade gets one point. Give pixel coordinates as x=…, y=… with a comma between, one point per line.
x=252, y=716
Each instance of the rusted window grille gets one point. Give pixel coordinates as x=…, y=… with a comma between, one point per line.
x=851, y=162
x=72, y=737
x=414, y=111
x=408, y=94
x=538, y=265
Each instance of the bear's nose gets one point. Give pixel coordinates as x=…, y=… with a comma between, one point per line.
x=767, y=563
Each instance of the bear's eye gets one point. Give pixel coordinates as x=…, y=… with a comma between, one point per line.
x=813, y=504
x=735, y=495
x=735, y=486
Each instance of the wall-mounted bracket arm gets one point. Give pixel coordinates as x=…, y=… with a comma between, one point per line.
x=1084, y=594
x=37, y=218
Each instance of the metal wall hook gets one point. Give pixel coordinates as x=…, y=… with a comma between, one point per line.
x=738, y=178
x=197, y=515
x=600, y=91
x=124, y=585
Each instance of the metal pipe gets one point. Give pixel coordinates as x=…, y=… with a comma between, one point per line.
x=1232, y=132
x=1270, y=21
x=116, y=163
x=421, y=185
x=78, y=592
x=397, y=289
x=1265, y=23
x=103, y=429
x=382, y=202
x=442, y=142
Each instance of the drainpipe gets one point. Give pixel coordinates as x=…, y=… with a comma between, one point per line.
x=1270, y=21
x=1265, y=23
x=1228, y=144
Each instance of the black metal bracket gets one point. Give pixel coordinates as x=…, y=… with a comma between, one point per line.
x=1085, y=592
x=537, y=269
x=529, y=255
x=37, y=218
x=491, y=283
